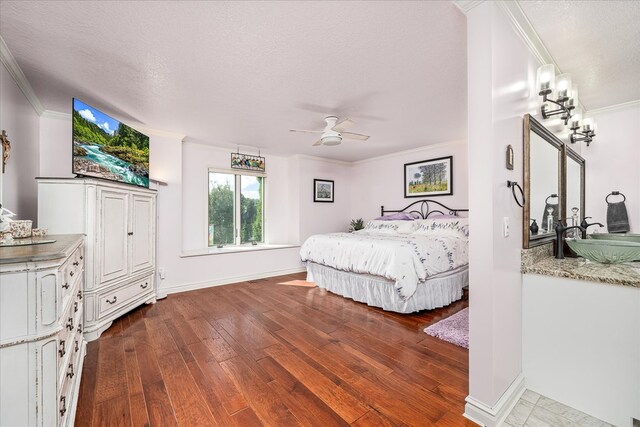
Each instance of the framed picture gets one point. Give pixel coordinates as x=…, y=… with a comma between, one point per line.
x=322, y=190
x=429, y=178
x=247, y=162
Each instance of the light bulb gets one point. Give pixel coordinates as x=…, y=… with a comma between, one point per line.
x=546, y=78
x=563, y=86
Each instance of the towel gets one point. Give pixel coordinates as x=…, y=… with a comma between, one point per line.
x=545, y=215
x=617, y=218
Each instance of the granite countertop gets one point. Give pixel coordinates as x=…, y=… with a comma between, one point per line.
x=626, y=274
x=61, y=248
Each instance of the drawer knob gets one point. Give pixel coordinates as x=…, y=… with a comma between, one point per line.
x=79, y=294
x=71, y=273
x=81, y=257
x=62, y=351
x=130, y=233
x=63, y=402
x=66, y=285
x=79, y=328
x=70, y=323
x=115, y=299
x=77, y=347
x=75, y=307
x=70, y=374
x=145, y=286
x=77, y=263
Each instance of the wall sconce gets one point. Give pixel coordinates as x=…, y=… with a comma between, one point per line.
x=566, y=96
x=566, y=101
x=588, y=131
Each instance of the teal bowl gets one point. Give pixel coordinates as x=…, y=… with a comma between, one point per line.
x=606, y=251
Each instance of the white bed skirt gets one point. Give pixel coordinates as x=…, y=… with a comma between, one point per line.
x=377, y=291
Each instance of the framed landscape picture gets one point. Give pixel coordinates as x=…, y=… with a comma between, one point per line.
x=322, y=190
x=429, y=178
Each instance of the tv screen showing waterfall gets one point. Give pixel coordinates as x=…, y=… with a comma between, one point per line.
x=105, y=148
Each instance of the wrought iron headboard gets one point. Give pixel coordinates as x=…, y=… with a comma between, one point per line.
x=425, y=210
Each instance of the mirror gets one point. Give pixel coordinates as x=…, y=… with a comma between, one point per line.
x=574, y=168
x=543, y=204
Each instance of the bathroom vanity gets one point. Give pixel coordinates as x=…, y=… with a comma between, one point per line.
x=581, y=333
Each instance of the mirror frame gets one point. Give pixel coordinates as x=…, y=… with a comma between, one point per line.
x=530, y=124
x=567, y=154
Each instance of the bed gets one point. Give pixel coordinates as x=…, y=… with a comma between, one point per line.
x=398, y=265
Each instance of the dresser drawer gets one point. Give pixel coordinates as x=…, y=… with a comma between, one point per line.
x=71, y=272
x=70, y=338
x=114, y=299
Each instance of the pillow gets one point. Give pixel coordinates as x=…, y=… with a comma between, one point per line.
x=400, y=216
x=443, y=226
x=390, y=227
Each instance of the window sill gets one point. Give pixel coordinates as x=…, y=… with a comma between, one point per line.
x=233, y=250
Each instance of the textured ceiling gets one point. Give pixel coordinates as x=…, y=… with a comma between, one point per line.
x=244, y=73
x=597, y=42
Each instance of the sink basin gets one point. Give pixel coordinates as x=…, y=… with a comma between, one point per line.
x=626, y=237
x=606, y=251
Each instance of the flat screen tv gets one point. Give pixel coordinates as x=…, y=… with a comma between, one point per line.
x=105, y=148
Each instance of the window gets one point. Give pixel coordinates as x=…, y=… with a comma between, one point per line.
x=236, y=208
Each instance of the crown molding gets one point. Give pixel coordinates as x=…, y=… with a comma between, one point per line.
x=614, y=108
x=410, y=151
x=50, y=114
x=525, y=30
x=466, y=5
x=159, y=132
x=14, y=70
x=322, y=159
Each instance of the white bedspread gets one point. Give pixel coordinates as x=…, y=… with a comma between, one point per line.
x=405, y=259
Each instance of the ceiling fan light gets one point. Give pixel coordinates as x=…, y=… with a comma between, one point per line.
x=331, y=140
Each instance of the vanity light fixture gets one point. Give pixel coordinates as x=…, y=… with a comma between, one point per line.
x=560, y=88
x=582, y=130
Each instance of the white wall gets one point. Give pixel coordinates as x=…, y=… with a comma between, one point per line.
x=55, y=147
x=501, y=71
x=321, y=217
x=380, y=181
x=612, y=162
x=20, y=121
x=583, y=348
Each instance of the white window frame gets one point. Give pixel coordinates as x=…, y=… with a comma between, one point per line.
x=237, y=210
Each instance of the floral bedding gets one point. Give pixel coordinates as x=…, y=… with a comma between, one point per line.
x=408, y=257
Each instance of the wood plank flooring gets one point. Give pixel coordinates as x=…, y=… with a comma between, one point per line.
x=272, y=352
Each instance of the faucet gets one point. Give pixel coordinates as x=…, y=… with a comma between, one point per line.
x=584, y=224
x=560, y=229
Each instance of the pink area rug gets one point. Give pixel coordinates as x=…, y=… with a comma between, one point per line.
x=453, y=329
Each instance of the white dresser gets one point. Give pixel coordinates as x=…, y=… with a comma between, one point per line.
x=41, y=332
x=119, y=221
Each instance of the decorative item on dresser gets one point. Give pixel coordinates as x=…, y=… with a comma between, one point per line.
x=42, y=347
x=119, y=221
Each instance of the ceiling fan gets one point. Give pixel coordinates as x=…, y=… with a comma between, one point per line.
x=334, y=132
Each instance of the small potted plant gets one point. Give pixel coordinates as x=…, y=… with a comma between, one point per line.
x=356, y=224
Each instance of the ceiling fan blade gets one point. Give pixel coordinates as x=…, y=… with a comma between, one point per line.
x=351, y=135
x=343, y=125
x=318, y=142
x=305, y=131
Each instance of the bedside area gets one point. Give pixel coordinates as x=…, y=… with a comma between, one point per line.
x=42, y=346
x=581, y=333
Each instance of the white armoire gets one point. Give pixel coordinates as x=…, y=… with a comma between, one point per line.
x=119, y=222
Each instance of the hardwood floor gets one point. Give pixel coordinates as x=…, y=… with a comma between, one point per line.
x=272, y=353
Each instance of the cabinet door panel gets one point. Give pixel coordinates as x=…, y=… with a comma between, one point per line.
x=143, y=238
x=112, y=235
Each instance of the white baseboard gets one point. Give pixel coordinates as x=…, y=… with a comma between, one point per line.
x=163, y=292
x=484, y=415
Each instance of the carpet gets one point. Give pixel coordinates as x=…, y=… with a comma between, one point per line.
x=453, y=329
